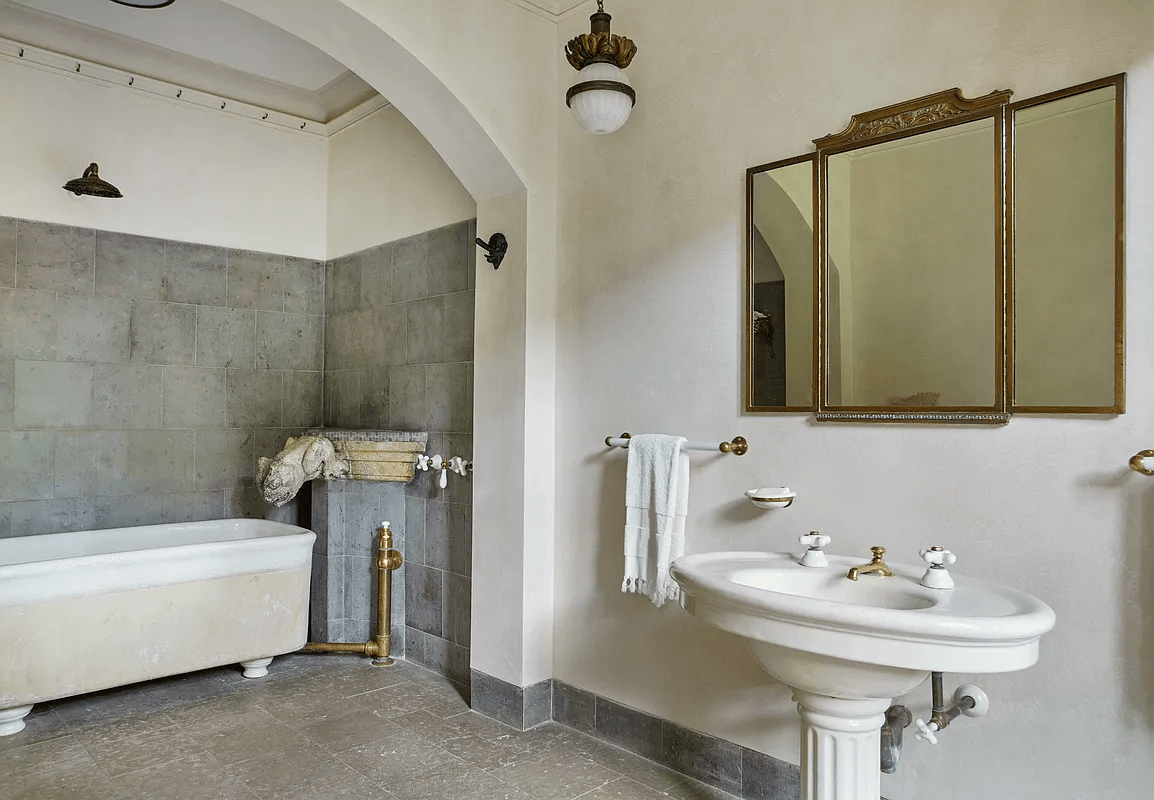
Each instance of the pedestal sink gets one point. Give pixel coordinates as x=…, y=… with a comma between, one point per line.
x=847, y=648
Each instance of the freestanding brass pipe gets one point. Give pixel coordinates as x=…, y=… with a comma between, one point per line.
x=380, y=648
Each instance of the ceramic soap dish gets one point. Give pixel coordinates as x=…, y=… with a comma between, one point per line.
x=771, y=497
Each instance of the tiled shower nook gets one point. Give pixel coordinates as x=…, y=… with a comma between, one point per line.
x=399, y=356
x=140, y=379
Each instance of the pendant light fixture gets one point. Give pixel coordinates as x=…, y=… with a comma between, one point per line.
x=601, y=98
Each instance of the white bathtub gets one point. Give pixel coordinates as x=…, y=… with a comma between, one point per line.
x=96, y=609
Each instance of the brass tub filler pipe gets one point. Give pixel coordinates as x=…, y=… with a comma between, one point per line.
x=380, y=647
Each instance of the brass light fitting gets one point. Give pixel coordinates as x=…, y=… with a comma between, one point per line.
x=91, y=184
x=602, y=98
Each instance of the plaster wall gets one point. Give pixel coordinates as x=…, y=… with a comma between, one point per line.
x=386, y=182
x=265, y=190
x=649, y=339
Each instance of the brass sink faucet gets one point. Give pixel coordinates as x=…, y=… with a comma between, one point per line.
x=875, y=567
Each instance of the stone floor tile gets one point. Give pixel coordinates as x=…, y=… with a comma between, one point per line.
x=117, y=755
x=317, y=728
x=642, y=770
x=102, y=734
x=245, y=735
x=305, y=772
x=183, y=689
x=479, y=725
x=58, y=769
x=396, y=759
x=457, y=782
x=482, y=753
x=359, y=727
x=198, y=776
x=623, y=789
x=57, y=756
x=547, y=738
x=97, y=707
x=39, y=726
x=694, y=790
x=311, y=704
x=404, y=698
x=554, y=776
x=429, y=727
x=210, y=708
x=360, y=679
x=448, y=706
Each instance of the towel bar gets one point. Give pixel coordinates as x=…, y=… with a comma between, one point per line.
x=739, y=446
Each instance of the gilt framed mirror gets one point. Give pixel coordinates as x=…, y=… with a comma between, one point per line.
x=966, y=262
x=1066, y=197
x=781, y=318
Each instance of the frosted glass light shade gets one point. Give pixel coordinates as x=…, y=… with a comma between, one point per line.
x=601, y=110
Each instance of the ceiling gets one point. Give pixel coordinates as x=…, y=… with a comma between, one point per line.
x=207, y=44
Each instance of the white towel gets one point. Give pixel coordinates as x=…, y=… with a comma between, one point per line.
x=656, y=491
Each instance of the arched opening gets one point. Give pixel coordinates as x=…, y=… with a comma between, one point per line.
x=514, y=643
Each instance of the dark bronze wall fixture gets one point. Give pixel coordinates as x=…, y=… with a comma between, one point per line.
x=91, y=184
x=496, y=248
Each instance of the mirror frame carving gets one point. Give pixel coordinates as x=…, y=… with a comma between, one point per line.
x=909, y=118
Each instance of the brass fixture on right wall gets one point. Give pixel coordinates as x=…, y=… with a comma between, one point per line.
x=944, y=259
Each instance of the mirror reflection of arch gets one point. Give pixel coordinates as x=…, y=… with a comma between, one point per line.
x=965, y=262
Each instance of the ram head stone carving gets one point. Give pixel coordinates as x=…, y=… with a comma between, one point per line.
x=302, y=459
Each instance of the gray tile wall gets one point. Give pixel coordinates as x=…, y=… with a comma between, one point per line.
x=346, y=516
x=141, y=378
x=399, y=356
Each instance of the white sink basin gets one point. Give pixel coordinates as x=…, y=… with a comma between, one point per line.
x=894, y=627
x=849, y=647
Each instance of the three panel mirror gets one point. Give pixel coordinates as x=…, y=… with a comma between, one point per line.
x=943, y=259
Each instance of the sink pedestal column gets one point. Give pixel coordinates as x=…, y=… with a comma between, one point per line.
x=840, y=747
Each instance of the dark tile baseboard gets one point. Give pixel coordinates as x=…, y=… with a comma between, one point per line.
x=738, y=770
x=521, y=707
x=713, y=761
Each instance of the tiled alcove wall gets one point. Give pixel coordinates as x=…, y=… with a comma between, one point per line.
x=399, y=356
x=140, y=378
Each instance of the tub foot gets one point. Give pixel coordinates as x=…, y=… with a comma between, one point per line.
x=12, y=719
x=257, y=668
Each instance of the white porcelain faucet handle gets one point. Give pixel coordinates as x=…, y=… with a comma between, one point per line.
x=458, y=465
x=814, y=539
x=926, y=732
x=423, y=462
x=937, y=556
x=814, y=557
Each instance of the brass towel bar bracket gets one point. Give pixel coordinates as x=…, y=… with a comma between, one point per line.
x=739, y=446
x=1138, y=462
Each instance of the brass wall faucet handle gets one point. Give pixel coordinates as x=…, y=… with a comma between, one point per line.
x=875, y=567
